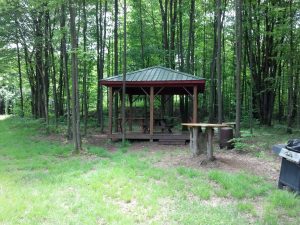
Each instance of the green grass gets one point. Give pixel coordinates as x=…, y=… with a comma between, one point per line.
x=262, y=140
x=239, y=185
x=42, y=182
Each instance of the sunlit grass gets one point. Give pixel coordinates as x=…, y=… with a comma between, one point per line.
x=42, y=182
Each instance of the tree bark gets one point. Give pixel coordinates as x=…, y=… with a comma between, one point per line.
x=164, y=20
x=124, y=79
x=190, y=48
x=75, y=88
x=84, y=83
x=142, y=34
x=238, y=11
x=116, y=61
x=20, y=74
x=291, y=73
x=218, y=62
x=65, y=70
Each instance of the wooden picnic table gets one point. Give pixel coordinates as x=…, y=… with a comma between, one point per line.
x=199, y=140
x=140, y=120
x=160, y=123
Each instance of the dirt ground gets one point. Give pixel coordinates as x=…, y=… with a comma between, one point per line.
x=179, y=155
x=227, y=160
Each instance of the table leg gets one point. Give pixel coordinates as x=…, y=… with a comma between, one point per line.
x=195, y=134
x=194, y=141
x=191, y=139
x=209, y=144
x=202, y=146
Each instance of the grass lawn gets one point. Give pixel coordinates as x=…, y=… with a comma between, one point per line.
x=41, y=182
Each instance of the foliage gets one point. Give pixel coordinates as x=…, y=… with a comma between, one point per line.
x=269, y=27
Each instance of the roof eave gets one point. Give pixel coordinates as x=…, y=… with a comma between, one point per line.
x=152, y=83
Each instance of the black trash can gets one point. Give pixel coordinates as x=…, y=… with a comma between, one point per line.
x=290, y=164
x=226, y=136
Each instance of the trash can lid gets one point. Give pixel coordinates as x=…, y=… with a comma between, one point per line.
x=293, y=145
x=277, y=148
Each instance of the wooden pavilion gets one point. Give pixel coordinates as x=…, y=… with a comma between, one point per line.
x=152, y=82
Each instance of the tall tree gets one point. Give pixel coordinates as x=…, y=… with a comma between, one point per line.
x=64, y=67
x=20, y=72
x=56, y=99
x=190, y=48
x=164, y=21
x=239, y=33
x=116, y=59
x=291, y=71
x=124, y=78
x=103, y=40
x=75, y=87
x=142, y=34
x=218, y=62
x=84, y=83
x=101, y=21
x=173, y=19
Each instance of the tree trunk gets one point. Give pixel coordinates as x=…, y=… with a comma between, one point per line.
x=212, y=96
x=291, y=74
x=103, y=41
x=84, y=83
x=20, y=75
x=190, y=51
x=238, y=11
x=116, y=61
x=39, y=99
x=75, y=88
x=218, y=62
x=65, y=69
x=173, y=18
x=124, y=79
x=164, y=20
x=46, y=66
x=142, y=34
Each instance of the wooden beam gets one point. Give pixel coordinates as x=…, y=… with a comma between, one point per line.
x=151, y=124
x=195, y=104
x=110, y=109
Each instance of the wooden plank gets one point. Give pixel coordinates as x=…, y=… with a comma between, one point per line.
x=195, y=104
x=151, y=111
x=147, y=136
x=204, y=125
x=172, y=142
x=110, y=109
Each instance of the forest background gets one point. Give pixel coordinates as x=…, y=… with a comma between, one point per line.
x=54, y=54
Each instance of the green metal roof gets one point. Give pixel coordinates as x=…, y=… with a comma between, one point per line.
x=157, y=73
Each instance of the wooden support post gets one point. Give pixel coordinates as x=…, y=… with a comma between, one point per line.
x=151, y=113
x=116, y=111
x=209, y=143
x=130, y=112
x=195, y=104
x=110, y=109
x=195, y=141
